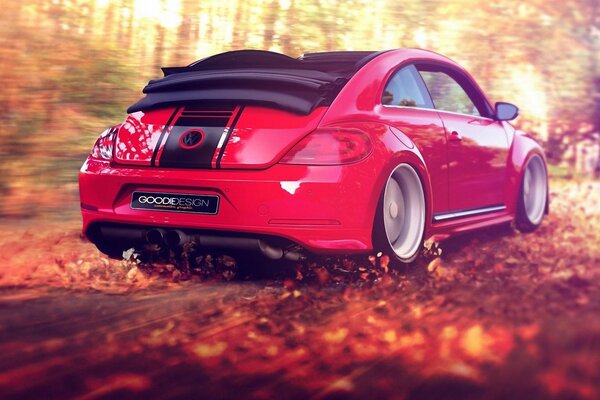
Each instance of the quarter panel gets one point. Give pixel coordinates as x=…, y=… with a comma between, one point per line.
x=424, y=130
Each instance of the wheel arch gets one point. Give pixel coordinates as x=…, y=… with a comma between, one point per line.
x=391, y=147
x=522, y=149
x=407, y=154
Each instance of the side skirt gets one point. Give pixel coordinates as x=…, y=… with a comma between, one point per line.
x=451, y=215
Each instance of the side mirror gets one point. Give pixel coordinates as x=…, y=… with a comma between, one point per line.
x=506, y=111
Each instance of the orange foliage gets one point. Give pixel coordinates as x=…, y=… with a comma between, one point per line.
x=497, y=308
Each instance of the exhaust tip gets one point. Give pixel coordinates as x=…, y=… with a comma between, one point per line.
x=272, y=252
x=155, y=236
x=175, y=238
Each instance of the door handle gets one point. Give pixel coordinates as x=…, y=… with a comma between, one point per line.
x=454, y=137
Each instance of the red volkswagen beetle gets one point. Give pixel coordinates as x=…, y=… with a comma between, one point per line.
x=338, y=152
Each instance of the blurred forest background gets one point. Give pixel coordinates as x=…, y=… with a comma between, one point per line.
x=69, y=68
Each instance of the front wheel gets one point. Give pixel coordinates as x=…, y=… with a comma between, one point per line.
x=400, y=218
x=533, y=195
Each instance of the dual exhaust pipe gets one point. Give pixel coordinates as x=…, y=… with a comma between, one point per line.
x=174, y=238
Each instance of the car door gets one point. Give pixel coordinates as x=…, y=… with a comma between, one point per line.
x=406, y=106
x=477, y=144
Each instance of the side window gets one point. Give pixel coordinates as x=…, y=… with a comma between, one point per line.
x=406, y=88
x=447, y=94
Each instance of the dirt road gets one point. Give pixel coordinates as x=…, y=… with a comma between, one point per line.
x=498, y=315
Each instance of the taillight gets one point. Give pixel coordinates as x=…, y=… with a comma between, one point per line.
x=103, y=148
x=330, y=146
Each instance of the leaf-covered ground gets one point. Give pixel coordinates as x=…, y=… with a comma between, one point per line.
x=499, y=315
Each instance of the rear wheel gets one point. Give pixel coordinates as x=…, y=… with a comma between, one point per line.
x=400, y=217
x=533, y=195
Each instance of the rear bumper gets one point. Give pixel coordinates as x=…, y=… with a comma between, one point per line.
x=325, y=209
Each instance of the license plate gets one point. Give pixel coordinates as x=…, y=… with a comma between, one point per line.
x=175, y=202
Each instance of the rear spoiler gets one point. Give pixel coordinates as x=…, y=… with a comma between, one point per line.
x=255, y=77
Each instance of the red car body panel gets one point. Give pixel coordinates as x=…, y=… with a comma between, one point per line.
x=425, y=130
x=323, y=208
x=476, y=161
x=138, y=136
x=251, y=146
x=249, y=203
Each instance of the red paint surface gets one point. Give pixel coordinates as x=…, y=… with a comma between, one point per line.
x=482, y=169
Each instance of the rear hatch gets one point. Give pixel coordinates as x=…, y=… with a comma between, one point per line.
x=244, y=137
x=241, y=109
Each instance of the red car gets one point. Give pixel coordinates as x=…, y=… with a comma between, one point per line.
x=337, y=152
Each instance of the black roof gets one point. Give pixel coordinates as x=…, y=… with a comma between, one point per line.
x=324, y=61
x=256, y=77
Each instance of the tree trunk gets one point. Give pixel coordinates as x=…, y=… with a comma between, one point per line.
x=270, y=18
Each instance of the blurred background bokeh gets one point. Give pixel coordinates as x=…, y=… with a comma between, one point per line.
x=70, y=68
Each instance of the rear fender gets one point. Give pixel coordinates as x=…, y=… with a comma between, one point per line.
x=393, y=147
x=413, y=158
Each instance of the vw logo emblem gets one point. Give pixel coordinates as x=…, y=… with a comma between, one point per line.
x=191, y=139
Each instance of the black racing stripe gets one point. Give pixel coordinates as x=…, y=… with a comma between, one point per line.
x=176, y=156
x=201, y=121
x=229, y=133
x=162, y=135
x=200, y=114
